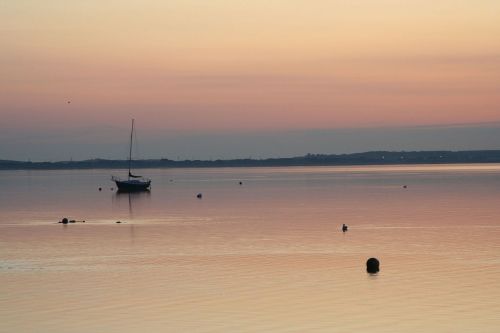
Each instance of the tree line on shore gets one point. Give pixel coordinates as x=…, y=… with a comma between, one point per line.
x=365, y=158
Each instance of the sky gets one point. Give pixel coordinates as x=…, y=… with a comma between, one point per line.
x=234, y=78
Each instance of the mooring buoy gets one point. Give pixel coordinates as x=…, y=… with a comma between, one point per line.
x=372, y=265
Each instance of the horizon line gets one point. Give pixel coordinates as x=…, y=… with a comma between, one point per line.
x=307, y=155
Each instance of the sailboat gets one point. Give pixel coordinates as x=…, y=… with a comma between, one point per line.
x=133, y=182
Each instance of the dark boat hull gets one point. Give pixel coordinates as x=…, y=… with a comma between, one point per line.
x=132, y=185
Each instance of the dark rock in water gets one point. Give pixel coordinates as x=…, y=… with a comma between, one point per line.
x=199, y=195
x=64, y=221
x=372, y=265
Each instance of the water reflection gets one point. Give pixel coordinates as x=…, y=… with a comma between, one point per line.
x=131, y=200
x=233, y=259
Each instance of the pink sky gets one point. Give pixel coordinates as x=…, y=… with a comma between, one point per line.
x=190, y=65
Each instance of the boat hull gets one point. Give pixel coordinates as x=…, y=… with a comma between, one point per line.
x=132, y=185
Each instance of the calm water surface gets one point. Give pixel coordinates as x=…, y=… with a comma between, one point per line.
x=264, y=256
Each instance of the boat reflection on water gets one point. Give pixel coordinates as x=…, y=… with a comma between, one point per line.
x=133, y=200
x=134, y=203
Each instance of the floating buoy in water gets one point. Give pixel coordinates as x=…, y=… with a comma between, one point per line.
x=64, y=221
x=404, y=186
x=344, y=227
x=372, y=265
x=199, y=195
x=118, y=222
x=100, y=188
x=241, y=183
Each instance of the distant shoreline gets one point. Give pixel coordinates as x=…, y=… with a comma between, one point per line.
x=366, y=158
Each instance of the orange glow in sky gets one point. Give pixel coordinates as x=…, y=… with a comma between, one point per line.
x=252, y=65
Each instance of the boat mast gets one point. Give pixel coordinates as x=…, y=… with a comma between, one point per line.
x=130, y=150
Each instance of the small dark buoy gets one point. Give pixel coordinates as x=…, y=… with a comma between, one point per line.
x=241, y=183
x=64, y=221
x=344, y=227
x=100, y=188
x=372, y=265
x=404, y=186
x=118, y=222
x=199, y=195
x=69, y=102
